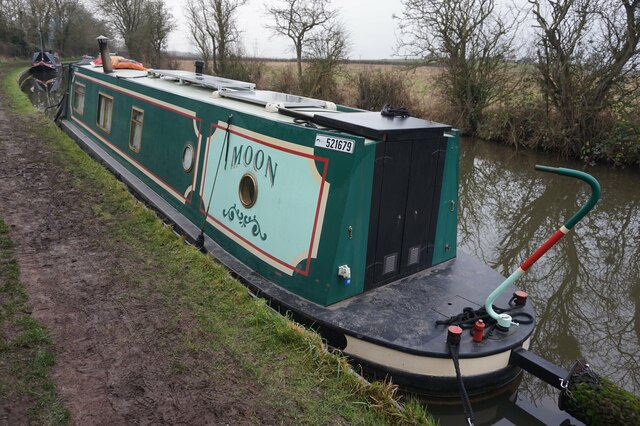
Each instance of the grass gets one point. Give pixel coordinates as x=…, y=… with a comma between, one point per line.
x=26, y=350
x=289, y=362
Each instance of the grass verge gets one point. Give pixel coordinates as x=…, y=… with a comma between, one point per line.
x=26, y=351
x=289, y=362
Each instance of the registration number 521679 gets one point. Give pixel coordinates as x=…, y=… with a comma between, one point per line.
x=334, y=143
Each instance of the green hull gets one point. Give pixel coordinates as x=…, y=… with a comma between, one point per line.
x=312, y=211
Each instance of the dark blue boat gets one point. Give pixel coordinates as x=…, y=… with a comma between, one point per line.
x=44, y=61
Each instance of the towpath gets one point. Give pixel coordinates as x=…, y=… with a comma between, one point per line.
x=117, y=354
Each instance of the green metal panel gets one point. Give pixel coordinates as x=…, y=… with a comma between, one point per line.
x=278, y=228
x=446, y=228
x=287, y=208
x=347, y=234
x=165, y=133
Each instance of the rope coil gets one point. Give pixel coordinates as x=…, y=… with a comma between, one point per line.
x=389, y=111
x=468, y=317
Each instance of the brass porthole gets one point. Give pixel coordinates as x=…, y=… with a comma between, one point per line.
x=187, y=158
x=248, y=190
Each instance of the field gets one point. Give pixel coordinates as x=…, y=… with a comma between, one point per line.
x=418, y=82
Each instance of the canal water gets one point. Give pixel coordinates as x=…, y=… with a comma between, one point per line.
x=586, y=289
x=45, y=90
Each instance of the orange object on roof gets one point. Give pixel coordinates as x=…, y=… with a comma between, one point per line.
x=130, y=64
x=120, y=62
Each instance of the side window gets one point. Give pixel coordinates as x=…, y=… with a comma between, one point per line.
x=105, y=112
x=78, y=98
x=135, y=134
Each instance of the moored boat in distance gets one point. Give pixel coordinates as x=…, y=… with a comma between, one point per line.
x=345, y=218
x=43, y=61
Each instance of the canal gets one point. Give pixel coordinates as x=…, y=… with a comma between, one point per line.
x=586, y=289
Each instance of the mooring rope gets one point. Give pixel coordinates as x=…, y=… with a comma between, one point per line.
x=60, y=107
x=200, y=238
x=466, y=403
x=389, y=111
x=468, y=317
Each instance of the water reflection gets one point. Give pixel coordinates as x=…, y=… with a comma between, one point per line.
x=45, y=89
x=587, y=288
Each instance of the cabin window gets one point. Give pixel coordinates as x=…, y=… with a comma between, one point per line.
x=248, y=190
x=135, y=135
x=187, y=158
x=105, y=112
x=78, y=98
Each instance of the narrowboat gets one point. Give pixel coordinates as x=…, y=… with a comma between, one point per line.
x=345, y=219
x=43, y=61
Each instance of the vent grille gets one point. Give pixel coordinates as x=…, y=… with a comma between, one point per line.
x=390, y=263
x=414, y=255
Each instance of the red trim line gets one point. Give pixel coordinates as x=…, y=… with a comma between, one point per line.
x=115, y=89
x=275, y=259
x=542, y=250
x=315, y=220
x=115, y=148
x=131, y=159
x=46, y=64
x=304, y=272
x=288, y=150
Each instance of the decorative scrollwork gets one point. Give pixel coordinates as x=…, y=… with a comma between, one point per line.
x=244, y=220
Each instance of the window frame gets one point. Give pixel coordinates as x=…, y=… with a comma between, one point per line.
x=79, y=88
x=100, y=126
x=131, y=127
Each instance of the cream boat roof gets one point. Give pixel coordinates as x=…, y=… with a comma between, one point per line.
x=205, y=94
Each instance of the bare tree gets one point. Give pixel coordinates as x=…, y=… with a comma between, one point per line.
x=224, y=20
x=586, y=48
x=471, y=39
x=80, y=34
x=13, y=28
x=158, y=25
x=63, y=14
x=37, y=18
x=325, y=50
x=296, y=19
x=126, y=18
x=65, y=26
x=143, y=25
x=198, y=33
x=218, y=19
x=5, y=19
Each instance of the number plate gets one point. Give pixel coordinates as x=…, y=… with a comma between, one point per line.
x=336, y=144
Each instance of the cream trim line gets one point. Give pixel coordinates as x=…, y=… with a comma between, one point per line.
x=425, y=365
x=137, y=95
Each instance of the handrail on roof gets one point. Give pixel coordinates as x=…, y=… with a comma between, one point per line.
x=210, y=81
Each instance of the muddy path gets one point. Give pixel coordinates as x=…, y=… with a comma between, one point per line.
x=117, y=344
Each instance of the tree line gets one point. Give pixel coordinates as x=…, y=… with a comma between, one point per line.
x=574, y=90
x=65, y=26
x=578, y=91
x=70, y=27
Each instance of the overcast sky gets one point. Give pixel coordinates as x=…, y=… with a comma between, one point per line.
x=372, y=30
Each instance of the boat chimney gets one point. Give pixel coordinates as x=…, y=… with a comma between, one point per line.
x=104, y=54
x=199, y=67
